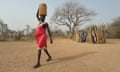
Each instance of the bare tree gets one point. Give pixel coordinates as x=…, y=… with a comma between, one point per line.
x=28, y=29
x=3, y=30
x=71, y=15
x=1, y=27
x=114, y=28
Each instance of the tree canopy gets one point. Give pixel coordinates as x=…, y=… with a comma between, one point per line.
x=114, y=28
x=71, y=15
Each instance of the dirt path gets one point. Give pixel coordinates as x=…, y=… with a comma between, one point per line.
x=68, y=56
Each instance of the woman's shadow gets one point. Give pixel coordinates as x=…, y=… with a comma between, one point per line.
x=63, y=59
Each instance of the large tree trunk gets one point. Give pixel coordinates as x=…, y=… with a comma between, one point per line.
x=71, y=30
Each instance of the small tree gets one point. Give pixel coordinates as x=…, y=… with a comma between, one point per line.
x=71, y=15
x=3, y=30
x=114, y=28
x=28, y=29
x=1, y=27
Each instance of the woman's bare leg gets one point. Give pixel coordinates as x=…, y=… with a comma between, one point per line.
x=49, y=56
x=38, y=59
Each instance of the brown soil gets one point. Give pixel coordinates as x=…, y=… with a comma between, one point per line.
x=68, y=56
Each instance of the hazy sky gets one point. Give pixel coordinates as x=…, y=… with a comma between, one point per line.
x=18, y=13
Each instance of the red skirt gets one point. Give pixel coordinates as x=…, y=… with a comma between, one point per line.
x=41, y=37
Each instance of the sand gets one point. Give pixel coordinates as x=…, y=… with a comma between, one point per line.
x=68, y=56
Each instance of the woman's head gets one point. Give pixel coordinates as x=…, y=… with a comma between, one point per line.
x=42, y=18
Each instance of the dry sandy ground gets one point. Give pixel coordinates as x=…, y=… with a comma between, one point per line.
x=68, y=56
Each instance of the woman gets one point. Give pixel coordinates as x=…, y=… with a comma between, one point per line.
x=41, y=38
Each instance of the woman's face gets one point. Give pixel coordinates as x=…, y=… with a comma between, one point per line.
x=42, y=18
